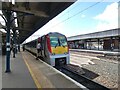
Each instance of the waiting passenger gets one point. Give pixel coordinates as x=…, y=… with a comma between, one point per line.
x=38, y=49
x=23, y=47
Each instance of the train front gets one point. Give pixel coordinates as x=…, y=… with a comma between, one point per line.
x=59, y=51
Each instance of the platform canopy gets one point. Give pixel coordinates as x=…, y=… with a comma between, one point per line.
x=32, y=15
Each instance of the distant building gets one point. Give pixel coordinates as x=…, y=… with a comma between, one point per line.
x=105, y=40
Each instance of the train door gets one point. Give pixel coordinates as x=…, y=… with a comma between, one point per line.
x=42, y=46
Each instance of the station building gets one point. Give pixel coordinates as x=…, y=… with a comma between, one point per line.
x=108, y=40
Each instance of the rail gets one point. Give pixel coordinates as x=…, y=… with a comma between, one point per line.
x=82, y=79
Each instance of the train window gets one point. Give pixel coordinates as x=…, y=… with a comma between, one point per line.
x=58, y=41
x=53, y=41
x=63, y=41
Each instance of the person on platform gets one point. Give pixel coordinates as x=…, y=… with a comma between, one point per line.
x=38, y=49
x=23, y=47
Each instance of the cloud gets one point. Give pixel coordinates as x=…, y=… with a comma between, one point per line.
x=108, y=19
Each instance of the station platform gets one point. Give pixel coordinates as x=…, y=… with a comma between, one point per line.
x=19, y=77
x=27, y=72
x=97, y=51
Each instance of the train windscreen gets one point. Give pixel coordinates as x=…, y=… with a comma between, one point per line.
x=58, y=41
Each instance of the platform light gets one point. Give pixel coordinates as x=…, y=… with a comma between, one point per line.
x=11, y=35
x=11, y=31
x=17, y=31
x=15, y=15
x=53, y=54
x=13, y=1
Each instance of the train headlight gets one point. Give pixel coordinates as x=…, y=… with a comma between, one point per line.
x=53, y=54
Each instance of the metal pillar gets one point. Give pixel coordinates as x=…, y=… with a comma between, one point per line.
x=14, y=45
x=8, y=16
x=19, y=47
x=18, y=44
x=111, y=44
x=98, y=43
x=15, y=42
x=90, y=44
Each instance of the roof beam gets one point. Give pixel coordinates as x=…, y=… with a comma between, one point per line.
x=17, y=28
x=26, y=22
x=33, y=12
x=22, y=9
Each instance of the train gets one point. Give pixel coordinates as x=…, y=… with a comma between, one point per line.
x=54, y=48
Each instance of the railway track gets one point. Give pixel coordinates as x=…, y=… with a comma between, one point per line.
x=82, y=79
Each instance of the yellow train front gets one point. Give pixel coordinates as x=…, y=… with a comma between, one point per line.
x=54, y=49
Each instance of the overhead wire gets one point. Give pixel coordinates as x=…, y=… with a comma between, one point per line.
x=76, y=14
x=69, y=17
x=86, y=9
x=67, y=12
x=78, y=1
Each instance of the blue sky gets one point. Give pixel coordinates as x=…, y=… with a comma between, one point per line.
x=81, y=18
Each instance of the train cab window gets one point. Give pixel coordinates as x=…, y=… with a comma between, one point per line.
x=63, y=41
x=53, y=41
x=58, y=41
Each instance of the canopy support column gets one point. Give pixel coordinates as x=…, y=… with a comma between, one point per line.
x=8, y=17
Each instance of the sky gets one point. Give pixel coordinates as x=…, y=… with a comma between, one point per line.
x=82, y=18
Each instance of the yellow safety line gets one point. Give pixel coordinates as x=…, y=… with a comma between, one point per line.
x=32, y=74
